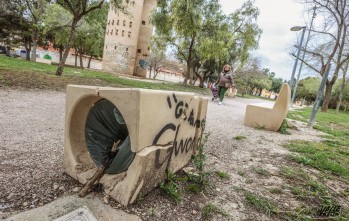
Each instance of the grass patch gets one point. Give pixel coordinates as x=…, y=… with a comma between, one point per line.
x=223, y=175
x=22, y=73
x=330, y=122
x=152, y=211
x=210, y=209
x=199, y=181
x=241, y=172
x=293, y=173
x=317, y=199
x=239, y=137
x=275, y=190
x=260, y=203
x=332, y=153
x=323, y=156
x=283, y=127
x=249, y=181
x=261, y=171
x=171, y=188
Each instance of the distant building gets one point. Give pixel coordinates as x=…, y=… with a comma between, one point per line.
x=127, y=38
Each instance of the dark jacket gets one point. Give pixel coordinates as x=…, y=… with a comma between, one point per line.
x=225, y=77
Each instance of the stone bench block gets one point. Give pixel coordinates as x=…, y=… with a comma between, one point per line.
x=269, y=116
x=164, y=128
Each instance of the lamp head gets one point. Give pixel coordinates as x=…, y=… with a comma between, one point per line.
x=297, y=28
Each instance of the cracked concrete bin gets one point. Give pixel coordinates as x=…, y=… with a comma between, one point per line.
x=163, y=131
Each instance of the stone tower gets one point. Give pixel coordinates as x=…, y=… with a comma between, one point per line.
x=127, y=38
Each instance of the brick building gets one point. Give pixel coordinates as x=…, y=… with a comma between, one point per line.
x=127, y=38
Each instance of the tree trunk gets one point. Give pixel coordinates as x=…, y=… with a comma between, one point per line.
x=201, y=79
x=156, y=72
x=150, y=69
x=339, y=102
x=185, y=82
x=60, y=52
x=27, y=46
x=201, y=83
x=81, y=62
x=60, y=68
x=35, y=42
x=76, y=59
x=327, y=97
x=344, y=83
x=189, y=74
x=89, y=62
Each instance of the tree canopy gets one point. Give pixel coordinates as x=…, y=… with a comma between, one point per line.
x=203, y=37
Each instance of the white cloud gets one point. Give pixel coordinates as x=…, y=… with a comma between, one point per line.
x=276, y=18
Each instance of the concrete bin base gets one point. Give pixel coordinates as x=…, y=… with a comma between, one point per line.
x=164, y=129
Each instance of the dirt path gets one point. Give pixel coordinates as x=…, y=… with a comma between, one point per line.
x=31, y=156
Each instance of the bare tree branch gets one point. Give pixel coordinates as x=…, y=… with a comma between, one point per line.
x=325, y=33
x=307, y=64
x=71, y=8
x=99, y=5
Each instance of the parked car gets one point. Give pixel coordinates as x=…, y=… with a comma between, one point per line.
x=2, y=49
x=16, y=52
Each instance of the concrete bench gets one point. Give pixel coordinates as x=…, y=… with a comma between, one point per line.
x=266, y=116
x=164, y=130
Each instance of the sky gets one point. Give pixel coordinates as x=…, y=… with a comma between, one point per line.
x=275, y=19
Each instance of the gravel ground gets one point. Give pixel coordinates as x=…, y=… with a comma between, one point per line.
x=31, y=159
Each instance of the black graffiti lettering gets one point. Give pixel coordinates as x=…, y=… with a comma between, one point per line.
x=189, y=147
x=183, y=145
x=191, y=118
x=175, y=143
x=179, y=109
x=169, y=102
x=197, y=123
x=169, y=126
x=174, y=98
x=158, y=164
x=167, y=159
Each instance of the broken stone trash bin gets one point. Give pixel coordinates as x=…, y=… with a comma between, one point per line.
x=164, y=130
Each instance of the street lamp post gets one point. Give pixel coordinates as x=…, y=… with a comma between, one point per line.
x=318, y=97
x=302, y=61
x=297, y=28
